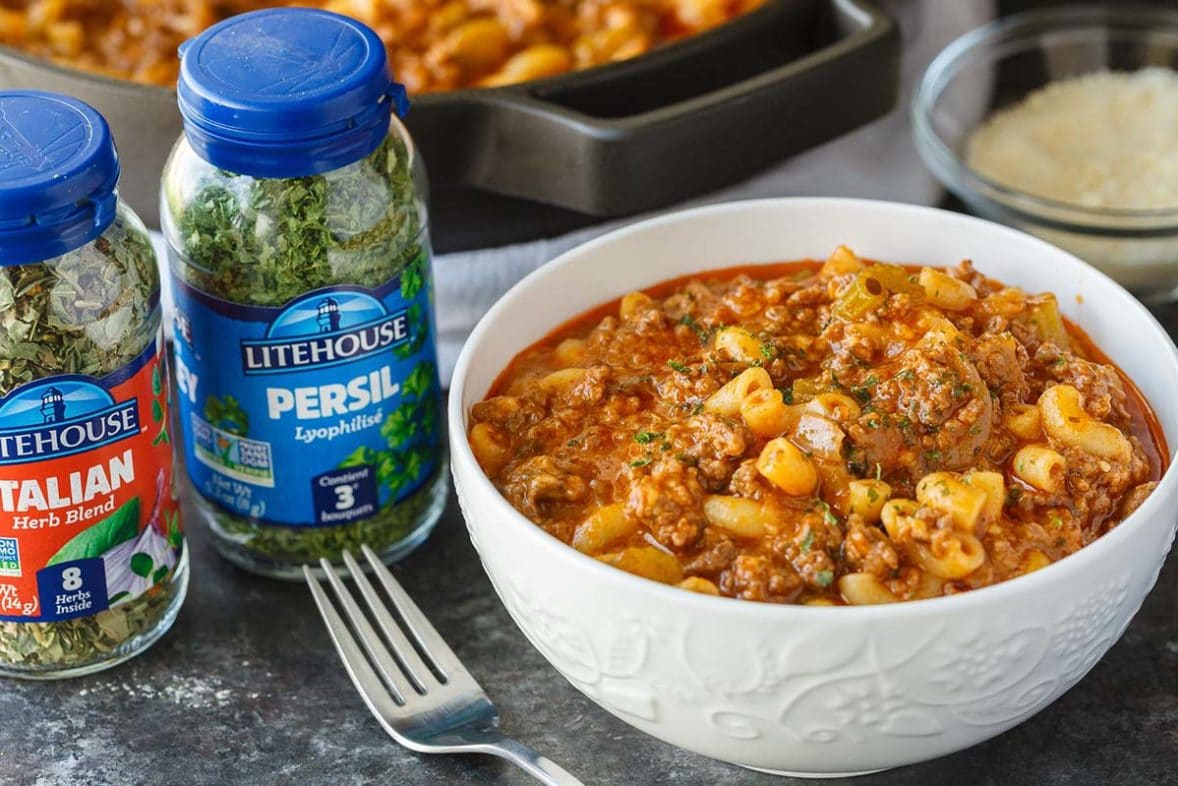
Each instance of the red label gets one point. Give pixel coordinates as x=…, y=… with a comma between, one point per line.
x=87, y=515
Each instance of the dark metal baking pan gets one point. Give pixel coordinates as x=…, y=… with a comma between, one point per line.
x=540, y=158
x=561, y=154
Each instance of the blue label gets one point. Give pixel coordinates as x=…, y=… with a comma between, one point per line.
x=320, y=413
x=72, y=589
x=40, y=420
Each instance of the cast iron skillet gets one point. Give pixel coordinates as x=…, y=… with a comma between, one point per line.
x=532, y=160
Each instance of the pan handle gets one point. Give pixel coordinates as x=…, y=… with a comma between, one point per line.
x=643, y=133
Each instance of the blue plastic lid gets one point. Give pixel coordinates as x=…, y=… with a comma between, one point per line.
x=286, y=92
x=58, y=171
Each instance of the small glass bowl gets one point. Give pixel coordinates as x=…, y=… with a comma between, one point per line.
x=998, y=65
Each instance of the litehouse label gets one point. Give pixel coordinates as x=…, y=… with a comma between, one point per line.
x=87, y=519
x=312, y=414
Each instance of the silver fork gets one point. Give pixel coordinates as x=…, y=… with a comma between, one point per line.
x=419, y=691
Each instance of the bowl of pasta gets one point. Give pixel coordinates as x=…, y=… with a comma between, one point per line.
x=818, y=486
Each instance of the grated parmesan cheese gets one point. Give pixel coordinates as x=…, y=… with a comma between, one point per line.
x=1103, y=140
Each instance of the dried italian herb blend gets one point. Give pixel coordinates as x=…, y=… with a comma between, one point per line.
x=305, y=341
x=91, y=552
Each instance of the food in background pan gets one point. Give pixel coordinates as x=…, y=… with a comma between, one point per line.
x=433, y=45
x=849, y=432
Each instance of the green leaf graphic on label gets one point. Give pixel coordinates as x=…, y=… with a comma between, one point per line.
x=94, y=541
x=141, y=564
x=420, y=380
x=157, y=412
x=359, y=457
x=386, y=469
x=398, y=428
x=175, y=538
x=156, y=384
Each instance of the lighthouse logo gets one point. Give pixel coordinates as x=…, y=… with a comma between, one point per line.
x=53, y=405
x=325, y=329
x=329, y=318
x=60, y=417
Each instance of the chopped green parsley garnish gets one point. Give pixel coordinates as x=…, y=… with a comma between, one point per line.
x=700, y=331
x=863, y=392
x=827, y=514
x=808, y=541
x=824, y=578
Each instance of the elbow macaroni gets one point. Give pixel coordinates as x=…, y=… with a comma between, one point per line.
x=867, y=498
x=900, y=522
x=993, y=485
x=950, y=555
x=1065, y=420
x=738, y=344
x=562, y=381
x=535, y=62
x=604, y=527
x=570, y=352
x=840, y=262
x=838, y=407
x=1022, y=420
x=729, y=398
x=864, y=589
x=765, y=413
x=632, y=303
x=945, y=291
x=745, y=518
x=945, y=492
x=787, y=468
x=492, y=448
x=1040, y=467
x=647, y=562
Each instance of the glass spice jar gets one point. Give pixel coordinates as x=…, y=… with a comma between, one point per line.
x=294, y=211
x=93, y=566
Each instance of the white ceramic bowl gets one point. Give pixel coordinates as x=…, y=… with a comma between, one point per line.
x=813, y=690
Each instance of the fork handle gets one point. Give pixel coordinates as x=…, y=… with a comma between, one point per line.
x=539, y=767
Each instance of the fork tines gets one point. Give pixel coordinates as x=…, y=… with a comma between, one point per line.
x=406, y=660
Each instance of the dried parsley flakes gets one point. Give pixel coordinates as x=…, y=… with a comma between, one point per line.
x=268, y=242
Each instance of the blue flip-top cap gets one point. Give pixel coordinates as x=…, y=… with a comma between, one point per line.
x=286, y=92
x=58, y=172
